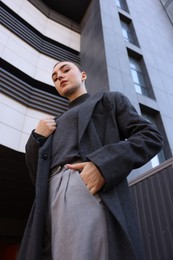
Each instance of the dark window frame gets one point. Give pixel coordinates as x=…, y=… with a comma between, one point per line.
x=153, y=114
x=139, y=58
x=122, y=4
x=124, y=19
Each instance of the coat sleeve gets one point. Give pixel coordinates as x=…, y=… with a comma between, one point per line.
x=139, y=142
x=32, y=150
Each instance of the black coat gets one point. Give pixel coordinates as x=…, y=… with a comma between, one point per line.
x=117, y=140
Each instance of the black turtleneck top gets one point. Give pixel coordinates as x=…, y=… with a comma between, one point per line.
x=65, y=138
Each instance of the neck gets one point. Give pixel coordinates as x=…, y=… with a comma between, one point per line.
x=77, y=94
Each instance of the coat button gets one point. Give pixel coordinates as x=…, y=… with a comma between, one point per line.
x=44, y=156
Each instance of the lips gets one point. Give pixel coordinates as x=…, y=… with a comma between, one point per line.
x=63, y=82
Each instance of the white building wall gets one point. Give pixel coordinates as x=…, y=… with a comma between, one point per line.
x=17, y=120
x=44, y=25
x=16, y=123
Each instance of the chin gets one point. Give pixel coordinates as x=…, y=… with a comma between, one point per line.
x=68, y=92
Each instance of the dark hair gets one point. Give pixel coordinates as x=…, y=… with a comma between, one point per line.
x=76, y=64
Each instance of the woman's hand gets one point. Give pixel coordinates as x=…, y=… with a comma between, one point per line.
x=46, y=126
x=90, y=175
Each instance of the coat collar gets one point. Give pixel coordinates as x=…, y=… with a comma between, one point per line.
x=85, y=112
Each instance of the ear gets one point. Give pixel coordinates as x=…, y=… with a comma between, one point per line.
x=83, y=76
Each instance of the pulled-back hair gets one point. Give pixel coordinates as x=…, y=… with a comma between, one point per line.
x=76, y=64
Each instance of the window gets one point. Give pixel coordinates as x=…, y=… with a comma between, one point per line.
x=138, y=77
x=127, y=32
x=160, y=157
x=169, y=11
x=168, y=7
x=122, y=4
x=164, y=1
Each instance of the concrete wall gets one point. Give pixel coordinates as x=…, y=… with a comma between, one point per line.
x=92, y=51
x=155, y=35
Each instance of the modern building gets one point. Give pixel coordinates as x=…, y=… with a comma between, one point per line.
x=124, y=45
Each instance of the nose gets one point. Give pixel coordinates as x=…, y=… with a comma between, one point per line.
x=60, y=76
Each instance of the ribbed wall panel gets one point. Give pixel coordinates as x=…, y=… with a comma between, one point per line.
x=54, y=16
x=153, y=198
x=34, y=38
x=31, y=97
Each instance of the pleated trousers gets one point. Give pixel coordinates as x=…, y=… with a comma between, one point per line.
x=75, y=221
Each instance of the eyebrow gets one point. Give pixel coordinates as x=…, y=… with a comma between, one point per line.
x=55, y=73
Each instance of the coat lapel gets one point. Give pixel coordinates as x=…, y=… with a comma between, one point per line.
x=85, y=113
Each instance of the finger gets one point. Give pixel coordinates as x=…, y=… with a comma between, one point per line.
x=75, y=166
x=50, y=117
x=52, y=123
x=93, y=191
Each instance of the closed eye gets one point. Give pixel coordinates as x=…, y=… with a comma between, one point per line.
x=66, y=70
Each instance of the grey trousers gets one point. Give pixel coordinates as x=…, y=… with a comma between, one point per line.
x=76, y=223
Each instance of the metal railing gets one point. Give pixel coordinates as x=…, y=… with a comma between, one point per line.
x=152, y=194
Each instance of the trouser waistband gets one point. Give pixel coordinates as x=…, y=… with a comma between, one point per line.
x=58, y=168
